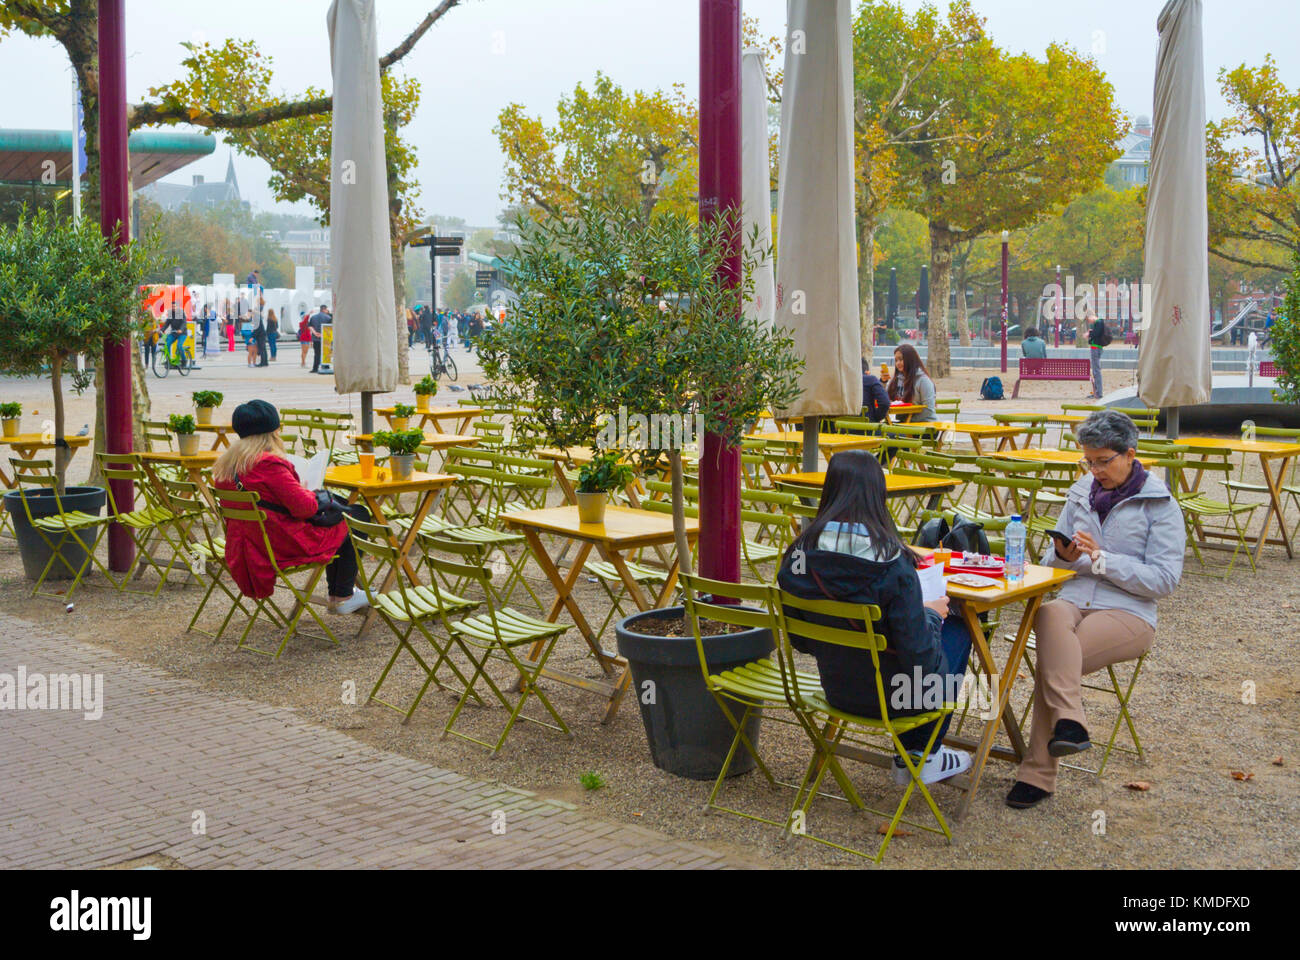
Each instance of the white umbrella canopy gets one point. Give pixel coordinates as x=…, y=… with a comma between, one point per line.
x=1174, y=362
x=756, y=189
x=365, y=332
x=817, y=273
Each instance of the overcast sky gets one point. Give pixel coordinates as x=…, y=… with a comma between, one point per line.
x=487, y=53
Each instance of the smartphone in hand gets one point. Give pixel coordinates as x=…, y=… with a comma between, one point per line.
x=1064, y=541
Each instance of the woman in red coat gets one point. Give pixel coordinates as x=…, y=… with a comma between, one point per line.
x=256, y=462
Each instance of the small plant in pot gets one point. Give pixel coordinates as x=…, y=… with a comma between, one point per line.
x=424, y=392
x=596, y=479
x=182, y=424
x=402, y=414
x=401, y=446
x=206, y=401
x=10, y=417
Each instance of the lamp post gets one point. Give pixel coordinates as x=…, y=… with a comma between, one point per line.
x=1060, y=307
x=1006, y=240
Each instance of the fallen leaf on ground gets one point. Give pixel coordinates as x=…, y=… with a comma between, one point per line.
x=1277, y=761
x=884, y=829
x=1142, y=785
x=1238, y=775
x=1022, y=676
x=637, y=814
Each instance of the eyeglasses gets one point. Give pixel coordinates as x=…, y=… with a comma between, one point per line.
x=1086, y=464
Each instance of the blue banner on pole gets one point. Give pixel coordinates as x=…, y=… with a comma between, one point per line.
x=80, y=134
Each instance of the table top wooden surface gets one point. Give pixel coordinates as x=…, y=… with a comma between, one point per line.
x=38, y=440
x=896, y=484
x=973, y=429
x=348, y=476
x=623, y=527
x=1037, y=580
x=214, y=427
x=829, y=440
x=1264, y=448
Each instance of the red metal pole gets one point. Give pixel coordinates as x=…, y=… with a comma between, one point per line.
x=719, y=189
x=114, y=212
x=1005, y=281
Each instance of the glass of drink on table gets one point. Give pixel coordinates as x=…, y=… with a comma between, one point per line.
x=367, y=461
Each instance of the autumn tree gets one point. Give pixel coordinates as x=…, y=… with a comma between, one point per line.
x=1254, y=157
x=1020, y=137
x=607, y=144
x=893, y=52
x=201, y=242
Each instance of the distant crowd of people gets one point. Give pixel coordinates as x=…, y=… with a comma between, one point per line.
x=445, y=327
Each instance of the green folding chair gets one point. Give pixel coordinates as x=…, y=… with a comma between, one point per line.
x=207, y=552
x=498, y=635
x=1122, y=692
x=407, y=609
x=836, y=734
x=151, y=524
x=755, y=690
x=244, y=505
x=1200, y=510
x=76, y=530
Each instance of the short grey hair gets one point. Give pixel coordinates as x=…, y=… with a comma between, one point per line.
x=1108, y=430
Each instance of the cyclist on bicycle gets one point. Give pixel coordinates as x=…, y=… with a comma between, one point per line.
x=176, y=331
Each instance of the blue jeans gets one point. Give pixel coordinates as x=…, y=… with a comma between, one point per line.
x=956, y=643
x=167, y=345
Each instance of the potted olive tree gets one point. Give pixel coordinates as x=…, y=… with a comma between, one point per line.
x=182, y=424
x=402, y=413
x=605, y=473
x=205, y=402
x=401, y=446
x=618, y=312
x=64, y=290
x=424, y=392
x=10, y=417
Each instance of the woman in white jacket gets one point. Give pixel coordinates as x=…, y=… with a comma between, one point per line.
x=1126, y=550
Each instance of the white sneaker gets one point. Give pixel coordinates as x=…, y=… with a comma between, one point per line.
x=938, y=766
x=358, y=601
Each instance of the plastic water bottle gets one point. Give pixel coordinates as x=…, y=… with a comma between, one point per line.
x=1015, y=534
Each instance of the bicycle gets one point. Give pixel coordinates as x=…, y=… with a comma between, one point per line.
x=184, y=363
x=440, y=361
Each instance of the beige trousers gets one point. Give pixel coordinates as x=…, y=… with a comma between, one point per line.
x=1073, y=643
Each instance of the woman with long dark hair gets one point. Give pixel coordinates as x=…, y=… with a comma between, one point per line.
x=911, y=383
x=852, y=552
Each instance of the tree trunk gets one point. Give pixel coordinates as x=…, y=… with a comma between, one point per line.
x=679, y=514
x=60, y=444
x=963, y=320
x=938, y=362
x=867, y=283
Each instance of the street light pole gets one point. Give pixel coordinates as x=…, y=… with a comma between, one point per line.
x=1006, y=239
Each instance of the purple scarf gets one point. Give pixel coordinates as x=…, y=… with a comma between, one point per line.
x=1103, y=500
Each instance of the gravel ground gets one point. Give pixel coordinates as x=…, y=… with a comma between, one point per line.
x=1188, y=706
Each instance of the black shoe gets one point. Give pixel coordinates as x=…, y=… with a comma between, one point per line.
x=1025, y=795
x=1067, y=738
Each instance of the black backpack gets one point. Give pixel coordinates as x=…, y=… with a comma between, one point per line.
x=991, y=388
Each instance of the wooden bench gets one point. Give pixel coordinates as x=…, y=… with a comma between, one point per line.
x=1052, y=368
x=1268, y=368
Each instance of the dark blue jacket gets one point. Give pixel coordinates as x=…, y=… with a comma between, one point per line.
x=875, y=398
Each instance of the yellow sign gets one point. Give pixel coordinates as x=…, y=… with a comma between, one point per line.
x=327, y=344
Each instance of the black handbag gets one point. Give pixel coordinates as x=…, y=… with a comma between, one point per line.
x=966, y=536
x=329, y=508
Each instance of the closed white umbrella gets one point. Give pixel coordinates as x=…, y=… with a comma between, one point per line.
x=365, y=332
x=1174, y=362
x=756, y=186
x=817, y=273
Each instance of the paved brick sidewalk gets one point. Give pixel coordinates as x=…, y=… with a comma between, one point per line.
x=274, y=790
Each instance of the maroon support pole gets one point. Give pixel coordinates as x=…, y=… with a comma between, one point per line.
x=114, y=209
x=1060, y=306
x=719, y=189
x=1005, y=262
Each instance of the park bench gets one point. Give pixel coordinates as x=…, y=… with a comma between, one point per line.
x=1052, y=368
x=1268, y=368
